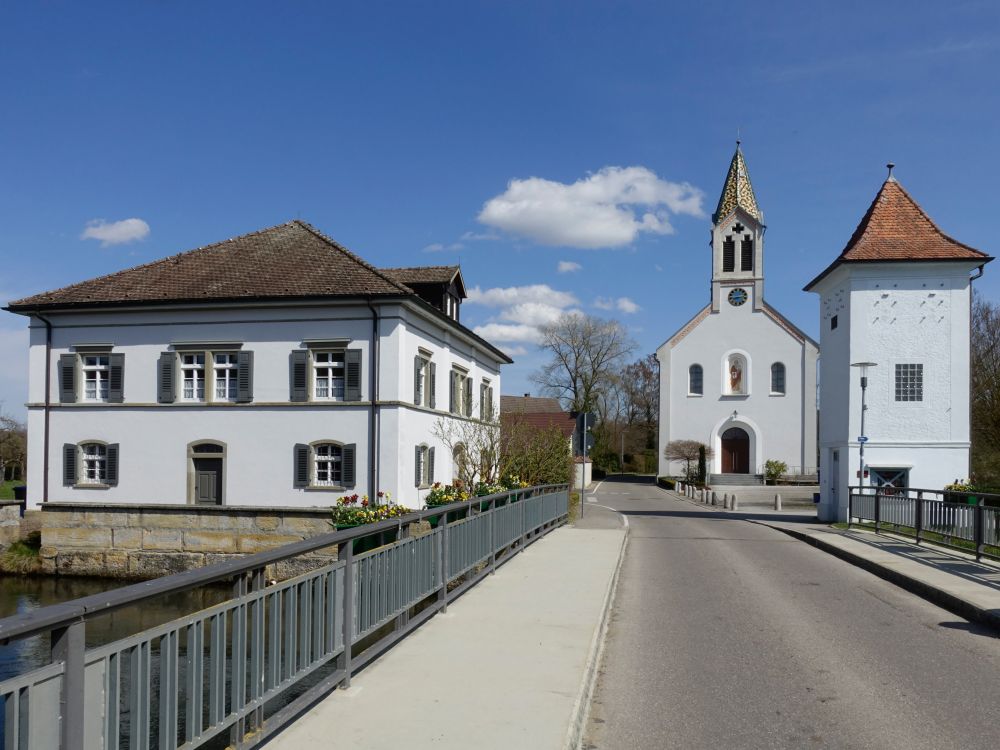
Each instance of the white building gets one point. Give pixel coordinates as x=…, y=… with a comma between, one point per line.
x=898, y=296
x=739, y=376
x=273, y=369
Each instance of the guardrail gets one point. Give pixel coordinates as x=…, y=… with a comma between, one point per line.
x=238, y=667
x=969, y=521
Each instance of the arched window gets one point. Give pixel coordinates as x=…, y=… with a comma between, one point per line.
x=778, y=378
x=696, y=380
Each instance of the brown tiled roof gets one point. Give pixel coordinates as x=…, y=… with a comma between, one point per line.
x=895, y=228
x=530, y=405
x=423, y=274
x=286, y=261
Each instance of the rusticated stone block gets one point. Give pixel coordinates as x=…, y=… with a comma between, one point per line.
x=144, y=565
x=268, y=523
x=167, y=520
x=127, y=538
x=80, y=563
x=114, y=519
x=83, y=538
x=48, y=552
x=210, y=541
x=168, y=540
x=262, y=542
x=215, y=557
x=306, y=526
x=115, y=564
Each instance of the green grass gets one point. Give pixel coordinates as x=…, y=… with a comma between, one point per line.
x=7, y=489
x=22, y=556
x=574, y=506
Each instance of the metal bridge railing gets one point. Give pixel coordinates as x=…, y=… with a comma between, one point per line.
x=235, y=672
x=966, y=520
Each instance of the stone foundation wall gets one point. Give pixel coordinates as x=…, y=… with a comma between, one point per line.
x=11, y=520
x=139, y=542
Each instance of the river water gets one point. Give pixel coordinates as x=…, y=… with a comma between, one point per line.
x=26, y=593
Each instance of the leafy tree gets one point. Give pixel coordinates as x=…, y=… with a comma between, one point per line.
x=13, y=448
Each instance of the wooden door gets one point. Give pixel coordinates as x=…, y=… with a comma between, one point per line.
x=208, y=481
x=735, y=451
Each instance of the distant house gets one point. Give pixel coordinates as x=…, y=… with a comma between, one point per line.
x=268, y=370
x=539, y=413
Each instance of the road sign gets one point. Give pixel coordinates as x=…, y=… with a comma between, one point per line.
x=862, y=439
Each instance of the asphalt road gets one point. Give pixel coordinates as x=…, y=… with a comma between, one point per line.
x=728, y=634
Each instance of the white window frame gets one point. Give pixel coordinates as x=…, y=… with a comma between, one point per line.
x=486, y=400
x=784, y=379
x=93, y=464
x=324, y=359
x=425, y=379
x=195, y=368
x=225, y=370
x=99, y=367
x=323, y=453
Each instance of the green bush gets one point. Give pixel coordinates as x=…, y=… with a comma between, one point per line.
x=774, y=470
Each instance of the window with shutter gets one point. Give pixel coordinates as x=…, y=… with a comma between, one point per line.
x=746, y=254
x=728, y=255
x=244, y=377
x=298, y=365
x=467, y=393
x=111, y=477
x=69, y=464
x=349, y=463
x=432, y=385
x=418, y=473
x=430, y=466
x=352, y=358
x=67, y=378
x=300, y=465
x=165, y=378
x=116, y=379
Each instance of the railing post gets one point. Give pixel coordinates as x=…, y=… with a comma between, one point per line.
x=443, y=593
x=67, y=645
x=918, y=517
x=878, y=510
x=850, y=507
x=493, y=535
x=978, y=531
x=346, y=551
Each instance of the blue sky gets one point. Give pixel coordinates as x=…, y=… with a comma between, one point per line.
x=508, y=136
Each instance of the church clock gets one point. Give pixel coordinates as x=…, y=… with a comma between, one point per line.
x=737, y=297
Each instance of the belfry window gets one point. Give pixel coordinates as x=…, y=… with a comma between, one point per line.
x=746, y=253
x=728, y=255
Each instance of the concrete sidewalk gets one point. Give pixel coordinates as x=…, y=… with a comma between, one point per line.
x=510, y=665
x=949, y=578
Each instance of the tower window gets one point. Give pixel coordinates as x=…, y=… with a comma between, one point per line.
x=910, y=382
x=728, y=255
x=833, y=323
x=746, y=254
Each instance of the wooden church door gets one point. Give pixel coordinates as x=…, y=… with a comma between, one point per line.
x=735, y=451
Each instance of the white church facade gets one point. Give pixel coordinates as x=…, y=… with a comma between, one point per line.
x=894, y=308
x=739, y=376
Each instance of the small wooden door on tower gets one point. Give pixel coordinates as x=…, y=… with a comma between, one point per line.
x=735, y=451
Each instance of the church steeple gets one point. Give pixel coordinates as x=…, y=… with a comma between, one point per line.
x=737, y=242
x=737, y=191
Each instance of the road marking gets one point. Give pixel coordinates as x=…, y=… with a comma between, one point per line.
x=620, y=514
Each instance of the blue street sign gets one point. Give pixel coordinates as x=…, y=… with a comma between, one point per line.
x=862, y=439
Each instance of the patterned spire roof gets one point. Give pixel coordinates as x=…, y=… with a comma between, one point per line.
x=737, y=191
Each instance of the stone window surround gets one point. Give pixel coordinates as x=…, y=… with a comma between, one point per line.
x=192, y=454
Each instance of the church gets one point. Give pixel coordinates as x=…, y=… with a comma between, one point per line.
x=739, y=376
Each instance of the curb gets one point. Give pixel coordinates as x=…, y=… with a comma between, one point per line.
x=581, y=707
x=954, y=604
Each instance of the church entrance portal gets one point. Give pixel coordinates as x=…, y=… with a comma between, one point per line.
x=735, y=451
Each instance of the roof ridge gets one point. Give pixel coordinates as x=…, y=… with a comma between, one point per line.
x=353, y=256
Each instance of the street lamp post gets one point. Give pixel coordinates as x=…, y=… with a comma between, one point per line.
x=862, y=438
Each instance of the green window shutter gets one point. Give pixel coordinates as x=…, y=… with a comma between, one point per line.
x=116, y=378
x=416, y=463
x=418, y=397
x=69, y=464
x=298, y=364
x=166, y=387
x=451, y=392
x=111, y=469
x=482, y=401
x=67, y=378
x=300, y=464
x=244, y=377
x=352, y=376
x=348, y=454
x=432, y=385
x=467, y=382
x=430, y=466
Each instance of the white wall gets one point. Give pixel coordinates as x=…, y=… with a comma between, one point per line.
x=895, y=314
x=259, y=436
x=777, y=425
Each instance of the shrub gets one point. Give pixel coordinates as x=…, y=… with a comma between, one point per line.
x=354, y=510
x=667, y=483
x=774, y=470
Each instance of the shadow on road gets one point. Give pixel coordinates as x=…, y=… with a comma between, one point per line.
x=717, y=516
x=969, y=627
x=629, y=478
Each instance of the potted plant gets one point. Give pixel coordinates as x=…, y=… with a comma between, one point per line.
x=774, y=470
x=355, y=510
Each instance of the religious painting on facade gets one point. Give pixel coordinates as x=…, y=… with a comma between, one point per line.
x=736, y=382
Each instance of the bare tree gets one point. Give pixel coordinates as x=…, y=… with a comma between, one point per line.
x=686, y=451
x=985, y=391
x=586, y=354
x=475, y=446
x=641, y=384
x=13, y=447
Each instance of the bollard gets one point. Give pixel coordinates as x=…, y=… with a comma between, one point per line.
x=725, y=501
x=714, y=503
x=734, y=503
x=777, y=502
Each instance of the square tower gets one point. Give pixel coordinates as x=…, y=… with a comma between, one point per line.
x=897, y=298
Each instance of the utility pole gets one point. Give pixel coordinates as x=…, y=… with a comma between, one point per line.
x=862, y=438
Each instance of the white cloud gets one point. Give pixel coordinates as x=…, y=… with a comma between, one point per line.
x=516, y=295
x=504, y=332
x=532, y=313
x=434, y=247
x=514, y=351
x=608, y=208
x=480, y=236
x=115, y=232
x=626, y=305
x=623, y=304
x=568, y=266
